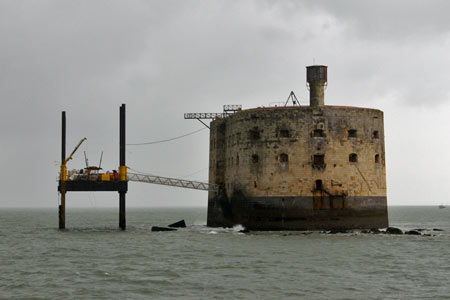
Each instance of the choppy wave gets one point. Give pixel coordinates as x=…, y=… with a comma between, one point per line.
x=92, y=259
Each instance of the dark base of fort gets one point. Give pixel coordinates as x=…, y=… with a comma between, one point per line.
x=298, y=213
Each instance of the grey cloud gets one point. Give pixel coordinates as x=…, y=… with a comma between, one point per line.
x=164, y=58
x=395, y=20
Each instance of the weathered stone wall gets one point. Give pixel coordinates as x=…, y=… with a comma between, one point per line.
x=327, y=154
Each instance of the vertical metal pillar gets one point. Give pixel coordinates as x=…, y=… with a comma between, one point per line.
x=62, y=206
x=122, y=168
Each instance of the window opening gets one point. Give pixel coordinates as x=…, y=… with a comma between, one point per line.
x=255, y=158
x=377, y=158
x=376, y=135
x=318, y=133
x=319, y=159
x=284, y=158
x=254, y=134
x=352, y=133
x=284, y=133
x=353, y=157
x=319, y=185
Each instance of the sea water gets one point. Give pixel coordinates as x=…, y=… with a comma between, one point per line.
x=93, y=259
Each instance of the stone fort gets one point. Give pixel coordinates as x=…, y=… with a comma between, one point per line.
x=313, y=167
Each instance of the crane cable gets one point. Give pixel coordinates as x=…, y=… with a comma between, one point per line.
x=166, y=140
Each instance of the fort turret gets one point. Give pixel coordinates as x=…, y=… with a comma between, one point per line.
x=316, y=78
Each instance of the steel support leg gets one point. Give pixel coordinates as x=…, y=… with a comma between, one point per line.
x=122, y=220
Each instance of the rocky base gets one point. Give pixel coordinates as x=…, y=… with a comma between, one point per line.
x=298, y=213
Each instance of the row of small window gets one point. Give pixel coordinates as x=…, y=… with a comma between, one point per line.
x=352, y=133
x=283, y=158
x=254, y=135
x=318, y=159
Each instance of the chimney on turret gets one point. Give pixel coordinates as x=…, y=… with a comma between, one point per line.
x=316, y=77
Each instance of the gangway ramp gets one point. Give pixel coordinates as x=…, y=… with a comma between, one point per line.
x=189, y=184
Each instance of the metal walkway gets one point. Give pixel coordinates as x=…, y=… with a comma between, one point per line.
x=196, y=185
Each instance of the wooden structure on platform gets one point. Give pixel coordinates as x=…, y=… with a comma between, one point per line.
x=85, y=184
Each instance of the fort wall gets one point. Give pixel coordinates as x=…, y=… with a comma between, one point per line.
x=297, y=167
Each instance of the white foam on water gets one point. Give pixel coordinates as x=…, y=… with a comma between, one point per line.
x=238, y=228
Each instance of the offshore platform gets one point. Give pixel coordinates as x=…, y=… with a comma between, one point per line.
x=274, y=168
x=91, y=179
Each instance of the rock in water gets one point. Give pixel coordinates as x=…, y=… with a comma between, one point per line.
x=179, y=224
x=393, y=230
x=157, y=228
x=413, y=232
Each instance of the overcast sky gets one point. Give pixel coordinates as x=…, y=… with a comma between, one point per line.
x=165, y=58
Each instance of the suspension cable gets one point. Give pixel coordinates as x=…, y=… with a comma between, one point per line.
x=167, y=140
x=138, y=171
x=196, y=172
